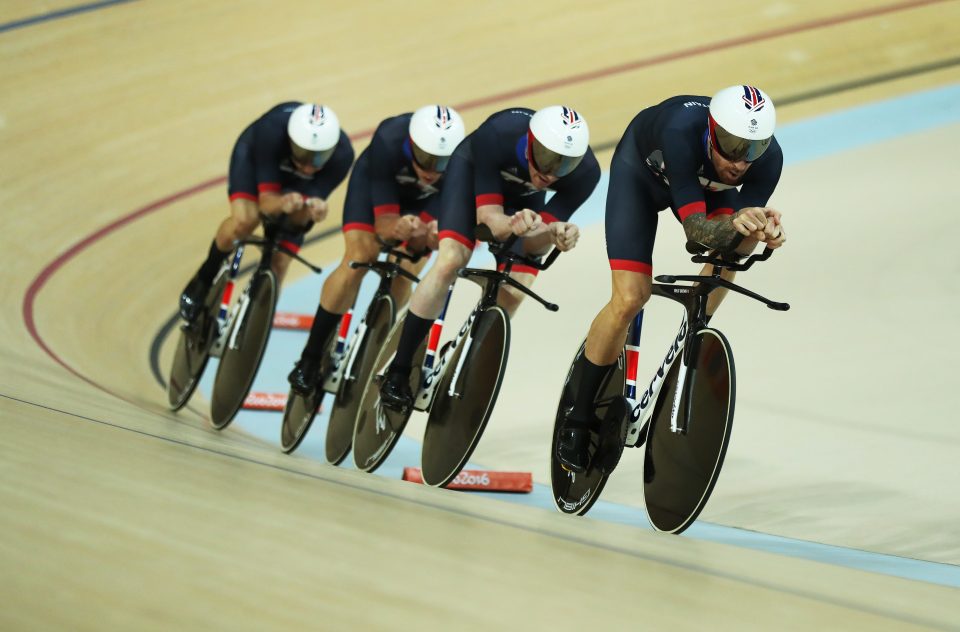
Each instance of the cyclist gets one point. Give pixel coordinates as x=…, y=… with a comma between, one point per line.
x=499, y=176
x=715, y=163
x=283, y=167
x=392, y=194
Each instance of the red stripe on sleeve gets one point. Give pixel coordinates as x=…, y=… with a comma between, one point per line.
x=386, y=209
x=489, y=198
x=689, y=209
x=548, y=218
x=290, y=245
x=268, y=187
x=426, y=217
x=452, y=234
x=720, y=211
x=631, y=266
x=243, y=196
x=357, y=226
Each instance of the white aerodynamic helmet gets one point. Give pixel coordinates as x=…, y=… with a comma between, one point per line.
x=314, y=132
x=742, y=120
x=435, y=131
x=558, y=140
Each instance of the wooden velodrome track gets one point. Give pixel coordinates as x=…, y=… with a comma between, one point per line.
x=116, y=125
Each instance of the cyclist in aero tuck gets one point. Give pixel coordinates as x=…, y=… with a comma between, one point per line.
x=392, y=193
x=715, y=163
x=499, y=176
x=283, y=167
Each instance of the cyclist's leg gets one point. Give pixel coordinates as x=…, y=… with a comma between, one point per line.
x=631, y=226
x=457, y=221
x=243, y=220
x=427, y=300
x=340, y=289
x=337, y=296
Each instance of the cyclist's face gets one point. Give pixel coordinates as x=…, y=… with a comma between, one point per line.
x=539, y=180
x=425, y=176
x=730, y=172
x=305, y=168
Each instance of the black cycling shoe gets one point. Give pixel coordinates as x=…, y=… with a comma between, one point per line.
x=192, y=298
x=304, y=376
x=395, y=392
x=573, y=447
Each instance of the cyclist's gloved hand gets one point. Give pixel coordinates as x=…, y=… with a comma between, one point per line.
x=565, y=235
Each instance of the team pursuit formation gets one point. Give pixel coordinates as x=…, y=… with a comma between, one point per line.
x=426, y=189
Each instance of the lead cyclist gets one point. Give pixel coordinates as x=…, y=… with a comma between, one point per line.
x=715, y=163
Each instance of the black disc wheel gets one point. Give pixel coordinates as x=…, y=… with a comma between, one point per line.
x=193, y=349
x=464, y=402
x=681, y=468
x=575, y=493
x=377, y=428
x=300, y=411
x=244, y=349
x=343, y=416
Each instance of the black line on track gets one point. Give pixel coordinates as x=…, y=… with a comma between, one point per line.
x=56, y=15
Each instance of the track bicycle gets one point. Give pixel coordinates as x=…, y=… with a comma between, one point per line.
x=237, y=333
x=457, y=385
x=683, y=418
x=347, y=362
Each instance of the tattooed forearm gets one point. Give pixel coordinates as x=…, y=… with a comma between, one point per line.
x=718, y=234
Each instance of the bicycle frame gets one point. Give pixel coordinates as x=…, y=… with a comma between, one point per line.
x=231, y=314
x=227, y=314
x=694, y=300
x=491, y=280
x=642, y=408
x=345, y=351
x=433, y=365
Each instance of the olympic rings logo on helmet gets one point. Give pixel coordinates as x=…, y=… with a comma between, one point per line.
x=557, y=140
x=314, y=132
x=741, y=123
x=435, y=131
